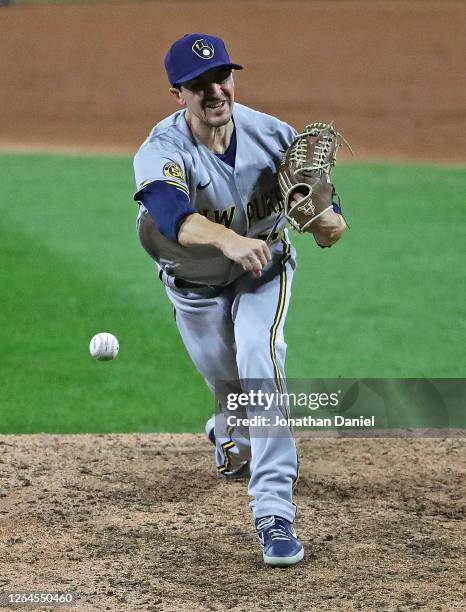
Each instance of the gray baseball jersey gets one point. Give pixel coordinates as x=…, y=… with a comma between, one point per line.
x=243, y=198
x=233, y=325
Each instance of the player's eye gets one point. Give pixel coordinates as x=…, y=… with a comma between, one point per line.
x=223, y=76
x=193, y=85
x=201, y=83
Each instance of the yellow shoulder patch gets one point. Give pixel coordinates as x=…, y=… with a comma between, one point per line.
x=173, y=170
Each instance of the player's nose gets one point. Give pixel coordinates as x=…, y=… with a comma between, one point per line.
x=213, y=89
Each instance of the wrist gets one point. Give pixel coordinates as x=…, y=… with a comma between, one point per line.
x=222, y=238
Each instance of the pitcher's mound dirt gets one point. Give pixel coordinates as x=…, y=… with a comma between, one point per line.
x=142, y=522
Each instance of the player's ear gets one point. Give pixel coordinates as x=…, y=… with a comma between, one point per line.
x=176, y=93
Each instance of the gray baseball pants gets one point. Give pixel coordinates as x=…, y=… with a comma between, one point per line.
x=235, y=334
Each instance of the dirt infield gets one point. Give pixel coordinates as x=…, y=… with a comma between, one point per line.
x=390, y=73
x=143, y=522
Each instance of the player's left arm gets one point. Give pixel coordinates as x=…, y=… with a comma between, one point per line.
x=330, y=227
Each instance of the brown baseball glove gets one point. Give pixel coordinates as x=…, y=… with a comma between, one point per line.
x=304, y=176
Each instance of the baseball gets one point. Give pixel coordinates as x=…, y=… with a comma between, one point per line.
x=104, y=347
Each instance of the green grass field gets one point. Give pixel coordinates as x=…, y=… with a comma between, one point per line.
x=388, y=301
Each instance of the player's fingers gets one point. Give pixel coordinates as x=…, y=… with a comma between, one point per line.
x=262, y=252
x=262, y=257
x=266, y=251
x=256, y=261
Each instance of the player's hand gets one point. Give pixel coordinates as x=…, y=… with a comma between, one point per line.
x=330, y=227
x=250, y=253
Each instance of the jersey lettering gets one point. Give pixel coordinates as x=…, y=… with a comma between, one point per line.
x=261, y=207
x=224, y=217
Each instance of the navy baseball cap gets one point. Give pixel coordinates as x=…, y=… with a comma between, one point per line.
x=190, y=56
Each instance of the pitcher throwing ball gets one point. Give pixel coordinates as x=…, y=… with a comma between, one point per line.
x=211, y=216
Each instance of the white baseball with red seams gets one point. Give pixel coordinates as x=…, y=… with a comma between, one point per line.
x=104, y=346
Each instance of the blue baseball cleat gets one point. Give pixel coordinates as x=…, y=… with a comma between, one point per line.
x=243, y=471
x=279, y=541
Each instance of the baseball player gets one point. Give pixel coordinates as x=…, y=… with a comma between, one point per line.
x=210, y=217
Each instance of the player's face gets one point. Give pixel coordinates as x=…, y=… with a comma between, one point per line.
x=209, y=97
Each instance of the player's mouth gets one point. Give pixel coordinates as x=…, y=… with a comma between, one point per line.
x=216, y=105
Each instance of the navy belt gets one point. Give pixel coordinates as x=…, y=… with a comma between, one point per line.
x=180, y=283
x=184, y=284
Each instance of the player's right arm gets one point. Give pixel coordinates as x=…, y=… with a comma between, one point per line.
x=250, y=253
x=177, y=220
x=163, y=190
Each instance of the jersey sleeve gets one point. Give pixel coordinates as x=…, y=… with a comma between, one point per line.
x=162, y=188
x=287, y=134
x=168, y=206
x=157, y=162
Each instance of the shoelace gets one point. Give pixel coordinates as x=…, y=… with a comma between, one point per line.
x=276, y=531
x=267, y=521
x=279, y=533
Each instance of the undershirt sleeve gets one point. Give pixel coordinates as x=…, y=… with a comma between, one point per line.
x=167, y=204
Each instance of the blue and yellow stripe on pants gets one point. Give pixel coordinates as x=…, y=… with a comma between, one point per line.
x=279, y=314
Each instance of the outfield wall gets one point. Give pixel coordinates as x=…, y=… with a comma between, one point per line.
x=90, y=76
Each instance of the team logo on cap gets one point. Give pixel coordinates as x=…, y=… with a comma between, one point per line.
x=203, y=48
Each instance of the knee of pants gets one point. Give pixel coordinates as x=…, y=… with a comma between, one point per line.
x=214, y=367
x=260, y=356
